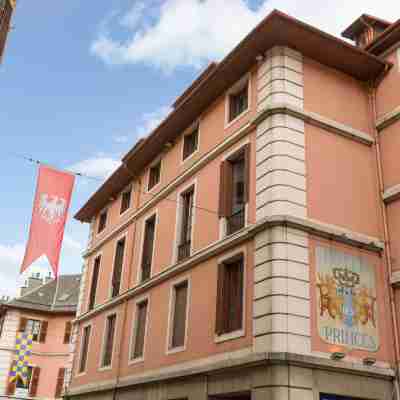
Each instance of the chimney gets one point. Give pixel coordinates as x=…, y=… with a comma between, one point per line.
x=365, y=29
x=33, y=282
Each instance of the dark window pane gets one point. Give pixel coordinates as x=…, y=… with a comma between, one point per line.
x=109, y=340
x=186, y=227
x=33, y=327
x=238, y=103
x=102, y=221
x=95, y=279
x=148, y=244
x=154, y=175
x=190, y=143
x=179, y=321
x=118, y=263
x=140, y=332
x=84, y=348
x=125, y=201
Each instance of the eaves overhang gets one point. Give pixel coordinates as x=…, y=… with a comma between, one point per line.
x=277, y=29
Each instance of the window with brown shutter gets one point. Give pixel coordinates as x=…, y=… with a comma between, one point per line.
x=238, y=102
x=60, y=382
x=35, y=328
x=190, y=143
x=234, y=189
x=95, y=279
x=22, y=324
x=43, y=331
x=102, y=221
x=179, y=315
x=118, y=264
x=125, y=200
x=184, y=247
x=109, y=340
x=84, y=348
x=148, y=245
x=154, y=175
x=67, y=332
x=33, y=387
x=229, y=315
x=137, y=350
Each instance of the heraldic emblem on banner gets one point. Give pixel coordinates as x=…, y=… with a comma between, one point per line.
x=346, y=300
x=23, y=346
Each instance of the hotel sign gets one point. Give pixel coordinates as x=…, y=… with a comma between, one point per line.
x=346, y=300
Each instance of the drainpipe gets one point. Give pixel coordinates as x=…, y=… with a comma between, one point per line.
x=372, y=97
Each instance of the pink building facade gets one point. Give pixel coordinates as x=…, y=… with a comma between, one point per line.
x=247, y=247
x=46, y=312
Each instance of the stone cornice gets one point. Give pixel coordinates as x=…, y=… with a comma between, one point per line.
x=307, y=225
x=388, y=119
x=316, y=120
x=391, y=194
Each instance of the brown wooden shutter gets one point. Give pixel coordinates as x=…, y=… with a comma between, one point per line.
x=179, y=323
x=237, y=295
x=109, y=344
x=246, y=173
x=22, y=324
x=67, y=332
x=60, y=382
x=219, y=317
x=224, y=187
x=119, y=260
x=95, y=279
x=140, y=329
x=33, y=387
x=43, y=331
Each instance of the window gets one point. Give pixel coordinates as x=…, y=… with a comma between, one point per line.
x=238, y=102
x=38, y=329
x=125, y=200
x=118, y=264
x=2, y=320
x=234, y=189
x=190, y=143
x=154, y=175
x=20, y=384
x=60, y=383
x=148, y=245
x=229, y=316
x=187, y=199
x=67, y=332
x=102, y=222
x=95, y=279
x=180, y=294
x=109, y=341
x=137, y=350
x=84, y=348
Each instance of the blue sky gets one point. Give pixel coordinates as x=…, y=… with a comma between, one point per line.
x=81, y=81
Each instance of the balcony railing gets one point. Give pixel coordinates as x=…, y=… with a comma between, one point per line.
x=184, y=250
x=235, y=222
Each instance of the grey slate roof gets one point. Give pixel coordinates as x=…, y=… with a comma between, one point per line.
x=51, y=297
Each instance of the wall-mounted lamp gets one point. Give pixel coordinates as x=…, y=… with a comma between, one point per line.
x=369, y=361
x=337, y=356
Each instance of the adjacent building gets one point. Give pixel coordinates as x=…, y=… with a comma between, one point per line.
x=249, y=247
x=46, y=311
x=6, y=11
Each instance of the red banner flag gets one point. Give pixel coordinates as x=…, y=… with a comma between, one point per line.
x=50, y=208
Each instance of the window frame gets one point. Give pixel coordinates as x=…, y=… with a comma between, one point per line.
x=103, y=342
x=158, y=161
x=78, y=370
x=171, y=316
x=134, y=329
x=195, y=127
x=123, y=236
x=236, y=88
x=129, y=190
x=179, y=219
x=40, y=321
x=28, y=389
x=226, y=259
x=102, y=212
x=154, y=214
x=97, y=256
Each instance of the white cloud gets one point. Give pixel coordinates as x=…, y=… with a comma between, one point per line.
x=193, y=32
x=100, y=166
x=121, y=139
x=151, y=120
x=72, y=244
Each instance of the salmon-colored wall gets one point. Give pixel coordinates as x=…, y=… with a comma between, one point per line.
x=388, y=93
x=54, y=354
x=390, y=150
x=201, y=325
x=341, y=182
x=385, y=351
x=213, y=131
x=336, y=96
